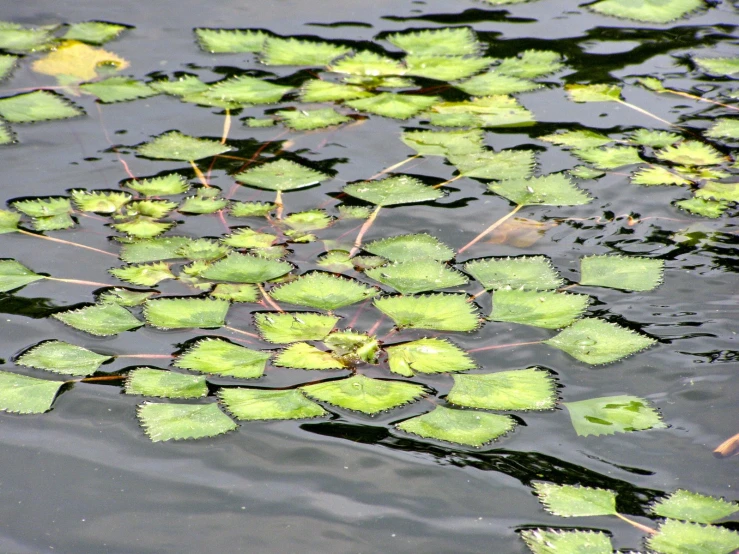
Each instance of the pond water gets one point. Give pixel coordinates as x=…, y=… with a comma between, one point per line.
x=85, y=478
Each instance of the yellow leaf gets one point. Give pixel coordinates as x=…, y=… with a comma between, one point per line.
x=75, y=61
x=520, y=232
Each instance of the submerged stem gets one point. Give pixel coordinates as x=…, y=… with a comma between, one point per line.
x=636, y=524
x=447, y=182
x=70, y=243
x=202, y=178
x=247, y=333
x=151, y=356
x=509, y=345
x=268, y=299
x=476, y=296
x=79, y=282
x=393, y=167
x=491, y=228
x=226, y=126
x=647, y=113
x=279, y=204
x=100, y=378
x=363, y=230
x=699, y=98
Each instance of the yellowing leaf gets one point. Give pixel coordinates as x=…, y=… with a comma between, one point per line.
x=75, y=61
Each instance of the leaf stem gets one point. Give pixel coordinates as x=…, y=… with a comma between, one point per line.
x=447, y=182
x=393, y=167
x=698, y=98
x=70, y=243
x=374, y=328
x=279, y=204
x=363, y=230
x=730, y=447
x=247, y=333
x=649, y=114
x=268, y=299
x=509, y=345
x=491, y=228
x=199, y=174
x=147, y=356
x=226, y=126
x=636, y=524
x=476, y=296
x=79, y=282
x=100, y=378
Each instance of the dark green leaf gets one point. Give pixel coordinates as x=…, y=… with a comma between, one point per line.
x=164, y=384
x=26, y=395
x=163, y=422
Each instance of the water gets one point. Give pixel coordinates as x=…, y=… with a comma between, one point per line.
x=84, y=478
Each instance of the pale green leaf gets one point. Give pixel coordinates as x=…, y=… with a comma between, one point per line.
x=53, y=222
x=246, y=90
x=125, y=297
x=400, y=189
x=691, y=152
x=146, y=275
x=9, y=221
x=621, y=272
x=245, y=268
x=155, y=209
x=7, y=136
x=718, y=66
x=594, y=93
x=235, y=293
x=488, y=111
x=323, y=291
x=290, y=51
x=352, y=347
x=143, y=227
x=578, y=139
x=414, y=276
x=26, y=395
x=294, y=327
x=370, y=82
x=428, y=355
x=100, y=319
x=302, y=355
x=62, y=357
x=530, y=273
x=652, y=83
x=14, y=275
x=163, y=422
x=440, y=312
x=572, y=501
x=549, y=541
x=259, y=123
x=655, y=139
x=202, y=249
x=40, y=105
x=99, y=201
x=220, y=357
x=168, y=185
x=94, y=32
x=282, y=175
x=176, y=146
x=164, y=384
x=118, y=89
x=724, y=128
x=201, y=205
x=444, y=143
x=153, y=250
x=531, y=64
x=719, y=191
x=248, y=238
x=449, y=41
x=181, y=86
x=507, y=164
x=403, y=248
x=265, y=405
x=15, y=38
x=691, y=506
x=493, y=82
x=678, y=537
x=362, y=394
x=705, y=208
x=7, y=64
x=44, y=207
x=185, y=313
x=612, y=414
x=520, y=389
x=444, y=68
x=251, y=209
x=369, y=64
x=657, y=175
x=585, y=172
x=307, y=120
x=549, y=190
x=466, y=427
x=547, y=309
x=227, y=41
x=610, y=158
x=651, y=11
x=326, y=91
x=389, y=104
x=337, y=261
x=311, y=220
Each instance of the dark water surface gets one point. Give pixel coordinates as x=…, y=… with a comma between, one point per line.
x=84, y=478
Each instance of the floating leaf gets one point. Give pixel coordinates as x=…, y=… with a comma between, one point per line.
x=281, y=51
x=652, y=11
x=554, y=189
x=26, y=395
x=202, y=205
x=169, y=185
x=220, y=357
x=125, y=297
x=367, y=63
x=657, y=175
x=549, y=541
x=610, y=158
x=609, y=415
x=62, y=357
x=594, y=93
x=293, y=327
x=176, y=146
x=706, y=208
x=311, y=220
x=547, y=309
x=520, y=389
x=94, y=32
x=362, y=394
x=246, y=90
x=74, y=61
x=182, y=86
x=404, y=248
x=302, y=355
x=322, y=291
x=7, y=136
x=444, y=68
x=428, y=355
x=100, y=201
x=441, y=312
x=245, y=268
x=146, y=275
x=163, y=422
x=444, y=143
x=578, y=139
x=677, y=537
x=100, y=319
x=251, y=209
x=15, y=38
x=282, y=175
x=326, y=91
x=153, y=250
x=508, y=164
x=352, y=347
x=40, y=105
x=226, y=41
x=718, y=66
x=488, y=111
x=306, y=120
x=621, y=272
x=492, y=83
x=53, y=223
x=44, y=207
x=14, y=274
x=7, y=64
x=248, y=238
x=202, y=249
x=164, y=384
x=691, y=506
x=585, y=172
x=531, y=64
x=389, y=104
x=655, y=139
x=724, y=128
x=235, y=293
x=571, y=501
x=185, y=313
x=530, y=273
x=469, y=428
x=719, y=191
x=374, y=82
x=691, y=152
x=596, y=342
x=119, y=89
x=264, y=405
x=449, y=41
x=410, y=277
x=143, y=227
x=390, y=191
x=337, y=261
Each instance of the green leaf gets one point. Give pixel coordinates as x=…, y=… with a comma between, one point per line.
x=609, y=415
x=400, y=189
x=181, y=86
x=554, y=189
x=235, y=293
x=302, y=355
x=124, y=297
x=719, y=191
x=94, y=32
x=651, y=11
x=493, y=82
x=248, y=238
x=282, y=175
x=26, y=395
x=53, y=222
x=572, y=501
x=583, y=139
x=469, y=428
x=176, y=146
x=119, y=89
x=227, y=41
x=220, y=357
x=549, y=541
x=202, y=249
x=289, y=51
x=547, y=309
x=143, y=227
x=595, y=342
x=488, y=111
x=655, y=139
x=307, y=120
x=428, y=355
x=508, y=164
x=677, y=537
x=390, y=104
x=246, y=90
x=657, y=175
x=691, y=506
x=311, y=220
x=168, y=185
x=414, y=276
x=7, y=64
x=531, y=64
x=403, y=248
x=15, y=38
x=62, y=357
x=444, y=143
x=585, y=172
x=163, y=422
x=326, y=91
x=352, y=347
x=245, y=268
x=337, y=261
x=444, y=68
x=100, y=319
x=164, y=384
x=529, y=273
x=146, y=275
x=440, y=312
x=100, y=201
x=184, y=313
x=294, y=327
x=449, y=41
x=40, y=105
x=718, y=66
x=691, y=152
x=153, y=250
x=201, y=205
x=594, y=93
x=251, y=209
x=520, y=389
x=7, y=136
x=724, y=128
x=323, y=291
x=367, y=63
x=706, y=208
x=362, y=394
x=371, y=82
x=610, y=158
x=9, y=222
x=44, y=207
x=621, y=272
x=264, y=405
x=14, y=275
